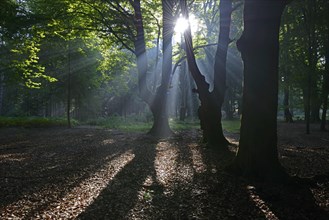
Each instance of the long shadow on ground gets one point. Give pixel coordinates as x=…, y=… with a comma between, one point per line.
x=39, y=167
x=174, y=178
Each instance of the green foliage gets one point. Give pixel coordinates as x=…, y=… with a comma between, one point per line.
x=26, y=61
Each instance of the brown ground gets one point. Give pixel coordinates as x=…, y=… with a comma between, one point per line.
x=104, y=174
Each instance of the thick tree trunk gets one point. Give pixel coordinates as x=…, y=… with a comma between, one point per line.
x=157, y=103
x=159, y=106
x=209, y=111
x=140, y=52
x=257, y=155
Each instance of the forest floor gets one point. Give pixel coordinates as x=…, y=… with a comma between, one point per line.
x=93, y=173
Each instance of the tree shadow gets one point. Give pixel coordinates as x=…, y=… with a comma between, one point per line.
x=294, y=200
x=133, y=183
x=55, y=162
x=195, y=186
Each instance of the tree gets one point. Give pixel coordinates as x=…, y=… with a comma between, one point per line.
x=211, y=102
x=325, y=90
x=325, y=83
x=257, y=155
x=121, y=23
x=157, y=102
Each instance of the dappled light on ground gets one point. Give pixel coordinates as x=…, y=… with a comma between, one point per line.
x=261, y=204
x=96, y=173
x=80, y=197
x=165, y=162
x=75, y=201
x=198, y=164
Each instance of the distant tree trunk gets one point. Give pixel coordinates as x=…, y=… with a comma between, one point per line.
x=209, y=111
x=68, y=113
x=287, y=113
x=184, y=91
x=257, y=156
x=312, y=105
x=315, y=109
x=2, y=77
x=228, y=104
x=325, y=90
x=157, y=103
x=286, y=76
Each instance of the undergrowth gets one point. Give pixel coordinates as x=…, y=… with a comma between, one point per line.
x=128, y=124
x=33, y=122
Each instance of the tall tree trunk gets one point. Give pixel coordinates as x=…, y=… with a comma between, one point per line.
x=312, y=106
x=2, y=78
x=140, y=52
x=325, y=90
x=257, y=156
x=184, y=91
x=159, y=106
x=286, y=102
x=286, y=82
x=68, y=113
x=158, y=102
x=210, y=109
x=225, y=10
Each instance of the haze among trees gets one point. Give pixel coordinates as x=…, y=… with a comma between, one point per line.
x=160, y=67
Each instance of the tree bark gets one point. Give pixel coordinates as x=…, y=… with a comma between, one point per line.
x=287, y=113
x=325, y=90
x=2, y=85
x=257, y=156
x=311, y=114
x=159, y=106
x=184, y=85
x=210, y=109
x=68, y=113
x=140, y=52
x=157, y=102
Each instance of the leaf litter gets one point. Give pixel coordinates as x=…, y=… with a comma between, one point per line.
x=91, y=173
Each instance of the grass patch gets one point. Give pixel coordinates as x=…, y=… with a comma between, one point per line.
x=232, y=126
x=177, y=125
x=140, y=124
x=33, y=122
x=128, y=124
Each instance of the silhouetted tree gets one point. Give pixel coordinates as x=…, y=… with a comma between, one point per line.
x=257, y=155
x=211, y=102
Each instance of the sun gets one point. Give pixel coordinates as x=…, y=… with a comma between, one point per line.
x=182, y=24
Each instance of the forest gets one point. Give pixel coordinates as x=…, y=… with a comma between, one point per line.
x=164, y=109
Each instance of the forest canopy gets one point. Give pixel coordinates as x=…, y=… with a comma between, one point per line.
x=156, y=61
